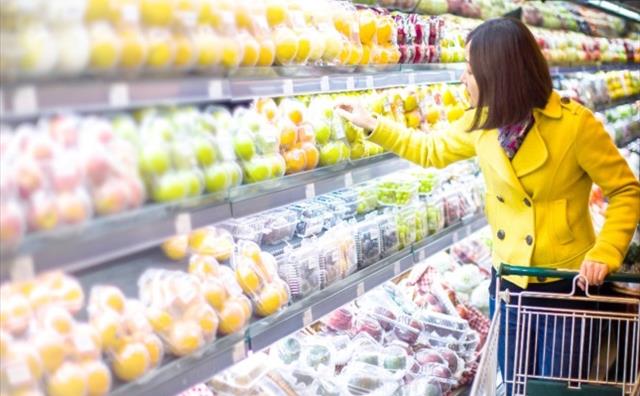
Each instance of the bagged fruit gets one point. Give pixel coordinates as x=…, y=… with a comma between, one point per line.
x=257, y=274
x=300, y=269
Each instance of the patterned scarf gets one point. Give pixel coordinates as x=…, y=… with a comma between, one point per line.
x=512, y=136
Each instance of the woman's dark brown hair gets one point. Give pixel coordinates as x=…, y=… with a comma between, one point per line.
x=510, y=71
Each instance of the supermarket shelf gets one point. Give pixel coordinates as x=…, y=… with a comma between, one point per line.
x=103, y=239
x=616, y=103
x=301, y=314
x=25, y=100
x=19, y=101
x=176, y=375
x=560, y=70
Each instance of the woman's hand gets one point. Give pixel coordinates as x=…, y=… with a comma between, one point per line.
x=594, y=271
x=357, y=114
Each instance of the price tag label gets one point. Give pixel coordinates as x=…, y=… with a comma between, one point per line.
x=369, y=82
x=411, y=78
x=119, y=95
x=239, y=352
x=307, y=318
x=456, y=237
x=1, y=101
x=468, y=230
x=348, y=180
x=422, y=255
x=351, y=84
x=287, y=87
x=453, y=76
x=360, y=289
x=324, y=84
x=183, y=223
x=396, y=268
x=310, y=191
x=22, y=268
x=25, y=100
x=215, y=89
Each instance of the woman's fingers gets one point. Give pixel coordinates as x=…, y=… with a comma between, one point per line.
x=594, y=272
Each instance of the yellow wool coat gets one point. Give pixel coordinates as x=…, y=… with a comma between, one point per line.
x=537, y=203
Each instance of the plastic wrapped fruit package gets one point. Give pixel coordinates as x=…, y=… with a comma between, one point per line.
x=422, y=226
x=279, y=225
x=310, y=218
x=465, y=347
x=241, y=378
x=222, y=292
x=368, y=242
x=351, y=200
x=20, y=367
x=257, y=274
x=367, y=198
x=435, y=212
x=397, y=190
x=332, y=261
x=317, y=356
x=406, y=224
x=13, y=225
x=177, y=310
x=211, y=241
x=300, y=269
x=342, y=237
x=454, y=207
x=389, y=234
x=370, y=325
x=424, y=386
x=427, y=178
x=361, y=378
x=246, y=229
x=334, y=205
x=440, y=375
x=123, y=331
x=287, y=350
x=443, y=325
x=340, y=320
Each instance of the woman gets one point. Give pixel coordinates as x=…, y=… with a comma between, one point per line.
x=540, y=154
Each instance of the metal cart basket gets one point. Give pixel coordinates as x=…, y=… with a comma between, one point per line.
x=554, y=349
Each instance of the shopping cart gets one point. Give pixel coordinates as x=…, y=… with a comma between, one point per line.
x=595, y=350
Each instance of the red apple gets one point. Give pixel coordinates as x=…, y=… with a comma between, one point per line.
x=451, y=359
x=425, y=356
x=12, y=226
x=135, y=191
x=29, y=176
x=96, y=165
x=111, y=197
x=64, y=130
x=73, y=207
x=65, y=173
x=41, y=147
x=42, y=213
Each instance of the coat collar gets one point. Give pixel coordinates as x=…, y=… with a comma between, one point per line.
x=553, y=108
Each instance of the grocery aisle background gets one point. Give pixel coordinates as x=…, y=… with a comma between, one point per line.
x=177, y=193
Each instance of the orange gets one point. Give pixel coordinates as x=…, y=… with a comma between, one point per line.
x=232, y=317
x=267, y=53
x=246, y=276
x=311, y=154
x=288, y=136
x=69, y=379
x=384, y=31
x=295, y=160
x=131, y=361
x=367, y=27
x=269, y=301
x=161, y=321
x=154, y=348
x=356, y=55
x=215, y=293
x=203, y=265
x=366, y=55
x=251, y=52
x=98, y=378
x=176, y=248
x=306, y=134
x=185, y=338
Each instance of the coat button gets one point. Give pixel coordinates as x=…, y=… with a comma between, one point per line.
x=541, y=278
x=565, y=100
x=499, y=197
x=501, y=234
x=529, y=240
x=527, y=202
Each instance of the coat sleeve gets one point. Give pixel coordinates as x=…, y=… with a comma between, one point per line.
x=437, y=149
x=599, y=157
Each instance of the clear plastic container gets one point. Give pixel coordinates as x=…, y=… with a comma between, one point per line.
x=311, y=218
x=240, y=378
x=346, y=262
x=246, y=229
x=443, y=325
x=435, y=213
x=337, y=206
x=454, y=206
x=351, y=200
x=368, y=242
x=389, y=235
x=439, y=374
x=428, y=180
x=367, y=198
x=397, y=190
x=364, y=379
x=341, y=319
x=422, y=226
x=279, y=226
x=406, y=223
x=300, y=269
x=288, y=350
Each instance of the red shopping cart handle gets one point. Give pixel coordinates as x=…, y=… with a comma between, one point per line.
x=507, y=269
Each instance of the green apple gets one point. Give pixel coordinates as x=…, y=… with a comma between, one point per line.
x=257, y=170
x=267, y=139
x=205, y=151
x=125, y=127
x=278, y=165
x=352, y=132
x=195, y=180
x=170, y=187
x=322, y=130
x=330, y=153
x=345, y=151
x=216, y=178
x=159, y=127
x=154, y=159
x=244, y=146
x=182, y=155
x=235, y=173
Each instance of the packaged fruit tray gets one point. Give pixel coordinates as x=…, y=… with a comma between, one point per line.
x=390, y=240
x=311, y=218
x=278, y=226
x=397, y=190
x=365, y=379
x=313, y=354
x=368, y=242
x=367, y=198
x=300, y=269
x=240, y=378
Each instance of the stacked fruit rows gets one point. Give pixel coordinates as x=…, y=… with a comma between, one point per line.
x=106, y=37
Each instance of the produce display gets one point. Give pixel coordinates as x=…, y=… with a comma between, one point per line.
x=622, y=122
x=151, y=37
x=419, y=335
x=593, y=89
